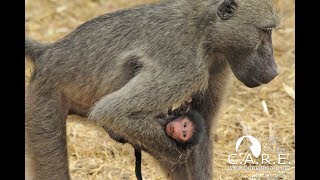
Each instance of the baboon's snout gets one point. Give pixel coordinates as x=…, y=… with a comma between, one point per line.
x=270, y=73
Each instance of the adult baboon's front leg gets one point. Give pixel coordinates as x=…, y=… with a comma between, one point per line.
x=200, y=162
x=131, y=112
x=208, y=104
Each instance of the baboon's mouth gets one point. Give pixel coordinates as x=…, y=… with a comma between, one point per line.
x=252, y=83
x=264, y=80
x=257, y=81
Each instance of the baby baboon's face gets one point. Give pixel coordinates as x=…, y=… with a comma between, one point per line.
x=180, y=129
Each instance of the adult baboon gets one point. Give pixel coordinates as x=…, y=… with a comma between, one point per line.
x=124, y=68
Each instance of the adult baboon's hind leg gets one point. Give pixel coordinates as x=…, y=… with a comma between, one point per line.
x=45, y=130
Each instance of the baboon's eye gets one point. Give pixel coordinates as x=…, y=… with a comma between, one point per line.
x=230, y=9
x=184, y=134
x=185, y=125
x=267, y=30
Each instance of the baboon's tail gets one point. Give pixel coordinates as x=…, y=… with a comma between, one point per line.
x=33, y=49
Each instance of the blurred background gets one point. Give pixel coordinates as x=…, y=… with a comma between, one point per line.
x=266, y=111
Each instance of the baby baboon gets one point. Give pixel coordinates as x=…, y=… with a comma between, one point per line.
x=184, y=125
x=124, y=68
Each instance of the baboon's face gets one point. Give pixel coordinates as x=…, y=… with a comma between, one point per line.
x=244, y=28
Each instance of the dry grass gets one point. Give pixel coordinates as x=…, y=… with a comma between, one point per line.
x=262, y=112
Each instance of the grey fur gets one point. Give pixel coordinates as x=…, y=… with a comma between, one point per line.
x=33, y=49
x=125, y=68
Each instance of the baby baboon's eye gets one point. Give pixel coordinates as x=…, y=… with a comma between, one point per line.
x=184, y=134
x=185, y=125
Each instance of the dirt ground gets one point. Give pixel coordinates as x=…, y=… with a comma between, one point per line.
x=264, y=112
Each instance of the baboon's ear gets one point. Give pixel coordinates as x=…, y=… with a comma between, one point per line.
x=227, y=9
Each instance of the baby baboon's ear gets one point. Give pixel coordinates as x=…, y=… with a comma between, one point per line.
x=227, y=9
